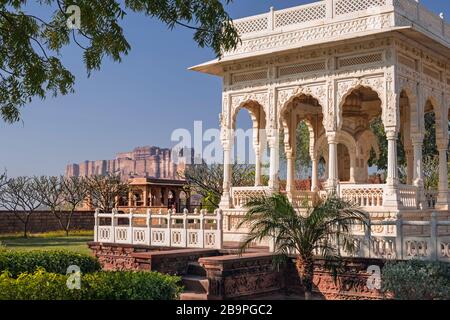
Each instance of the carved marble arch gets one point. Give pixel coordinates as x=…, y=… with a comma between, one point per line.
x=347, y=88
x=286, y=100
x=257, y=115
x=354, y=97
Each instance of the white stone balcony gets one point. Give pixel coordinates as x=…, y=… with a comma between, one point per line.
x=332, y=20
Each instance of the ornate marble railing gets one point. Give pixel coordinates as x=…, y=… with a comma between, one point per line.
x=329, y=11
x=386, y=240
x=302, y=199
x=408, y=196
x=364, y=195
x=197, y=230
x=241, y=195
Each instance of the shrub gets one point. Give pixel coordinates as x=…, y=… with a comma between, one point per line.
x=417, y=280
x=17, y=262
x=124, y=285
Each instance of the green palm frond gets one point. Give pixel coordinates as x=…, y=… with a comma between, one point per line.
x=324, y=230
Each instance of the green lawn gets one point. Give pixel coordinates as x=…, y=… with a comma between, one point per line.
x=76, y=241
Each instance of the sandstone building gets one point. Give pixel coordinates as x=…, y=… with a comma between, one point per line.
x=145, y=162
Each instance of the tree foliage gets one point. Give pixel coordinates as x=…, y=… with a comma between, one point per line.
x=31, y=45
x=302, y=156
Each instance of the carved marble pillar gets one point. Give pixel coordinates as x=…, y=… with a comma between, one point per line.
x=274, y=164
x=417, y=143
x=225, y=202
x=391, y=195
x=443, y=196
x=290, y=177
x=258, y=154
x=332, y=162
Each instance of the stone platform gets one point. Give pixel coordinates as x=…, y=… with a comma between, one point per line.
x=210, y=274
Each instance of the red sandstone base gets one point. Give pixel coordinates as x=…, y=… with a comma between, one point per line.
x=225, y=275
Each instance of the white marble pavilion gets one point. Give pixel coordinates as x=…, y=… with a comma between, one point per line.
x=337, y=65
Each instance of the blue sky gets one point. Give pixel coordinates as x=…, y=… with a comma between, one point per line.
x=138, y=102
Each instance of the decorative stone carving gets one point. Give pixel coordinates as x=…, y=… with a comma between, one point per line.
x=240, y=101
x=318, y=33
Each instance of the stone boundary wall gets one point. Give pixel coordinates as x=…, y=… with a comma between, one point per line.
x=44, y=221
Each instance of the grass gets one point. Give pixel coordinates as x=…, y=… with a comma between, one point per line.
x=76, y=241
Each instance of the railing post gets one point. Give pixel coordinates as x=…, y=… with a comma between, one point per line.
x=149, y=226
x=399, y=237
x=219, y=218
x=96, y=223
x=185, y=227
x=113, y=226
x=434, y=236
x=202, y=228
x=169, y=227
x=329, y=9
x=130, y=227
x=272, y=19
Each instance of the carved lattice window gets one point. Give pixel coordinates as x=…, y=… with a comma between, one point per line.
x=248, y=76
x=300, y=15
x=350, y=6
x=359, y=60
x=252, y=25
x=300, y=68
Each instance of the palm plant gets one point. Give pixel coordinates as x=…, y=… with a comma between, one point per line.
x=322, y=230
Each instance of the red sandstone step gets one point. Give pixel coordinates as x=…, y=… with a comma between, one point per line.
x=197, y=284
x=193, y=296
x=195, y=269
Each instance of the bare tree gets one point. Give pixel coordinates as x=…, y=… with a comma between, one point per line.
x=21, y=197
x=104, y=191
x=74, y=192
x=61, y=196
x=207, y=180
x=3, y=180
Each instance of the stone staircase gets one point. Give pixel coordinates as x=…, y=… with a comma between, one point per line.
x=195, y=283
